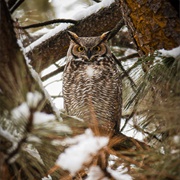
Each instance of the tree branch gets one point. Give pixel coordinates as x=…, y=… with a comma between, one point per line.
x=48, y=23
x=59, y=70
x=54, y=48
x=14, y=4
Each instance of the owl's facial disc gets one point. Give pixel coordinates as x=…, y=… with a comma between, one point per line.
x=88, y=53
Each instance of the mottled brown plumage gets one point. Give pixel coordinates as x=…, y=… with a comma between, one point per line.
x=92, y=83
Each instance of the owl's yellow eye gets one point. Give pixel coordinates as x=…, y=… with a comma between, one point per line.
x=97, y=48
x=80, y=49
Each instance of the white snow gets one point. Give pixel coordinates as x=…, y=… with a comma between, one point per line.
x=10, y=137
x=82, y=152
x=176, y=139
x=33, y=99
x=92, y=9
x=47, y=96
x=129, y=51
x=41, y=117
x=47, y=178
x=32, y=138
x=33, y=152
x=173, y=52
x=119, y=174
x=90, y=71
x=21, y=111
x=96, y=173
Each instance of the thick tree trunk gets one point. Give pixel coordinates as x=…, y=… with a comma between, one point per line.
x=15, y=77
x=153, y=24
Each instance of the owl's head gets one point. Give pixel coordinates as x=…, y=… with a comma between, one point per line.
x=88, y=48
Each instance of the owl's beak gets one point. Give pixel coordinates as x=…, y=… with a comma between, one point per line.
x=89, y=54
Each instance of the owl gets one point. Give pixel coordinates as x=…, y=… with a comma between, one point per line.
x=92, y=83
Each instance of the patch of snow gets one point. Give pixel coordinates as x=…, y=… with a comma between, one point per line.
x=129, y=52
x=119, y=174
x=41, y=117
x=96, y=173
x=124, y=29
x=10, y=137
x=131, y=132
x=173, y=52
x=32, y=138
x=64, y=8
x=47, y=178
x=82, y=152
x=176, y=139
x=21, y=111
x=33, y=152
x=92, y=9
x=175, y=151
x=33, y=99
x=40, y=32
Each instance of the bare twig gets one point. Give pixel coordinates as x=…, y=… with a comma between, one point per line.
x=59, y=70
x=134, y=55
x=98, y=1
x=126, y=121
x=13, y=5
x=48, y=23
x=116, y=29
x=133, y=85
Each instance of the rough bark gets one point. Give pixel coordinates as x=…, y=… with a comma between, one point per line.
x=153, y=24
x=56, y=47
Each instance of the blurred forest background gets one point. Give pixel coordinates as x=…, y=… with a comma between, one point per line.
x=33, y=125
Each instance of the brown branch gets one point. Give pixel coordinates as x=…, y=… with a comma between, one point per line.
x=14, y=5
x=54, y=48
x=116, y=29
x=133, y=85
x=59, y=70
x=134, y=55
x=48, y=23
x=126, y=120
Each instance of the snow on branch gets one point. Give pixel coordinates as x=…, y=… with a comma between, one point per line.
x=74, y=157
x=92, y=21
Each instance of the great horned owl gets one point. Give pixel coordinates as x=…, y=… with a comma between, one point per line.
x=92, y=82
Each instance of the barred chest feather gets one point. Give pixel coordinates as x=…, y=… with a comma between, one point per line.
x=93, y=90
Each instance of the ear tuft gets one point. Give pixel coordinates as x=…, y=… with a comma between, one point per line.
x=105, y=36
x=73, y=36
